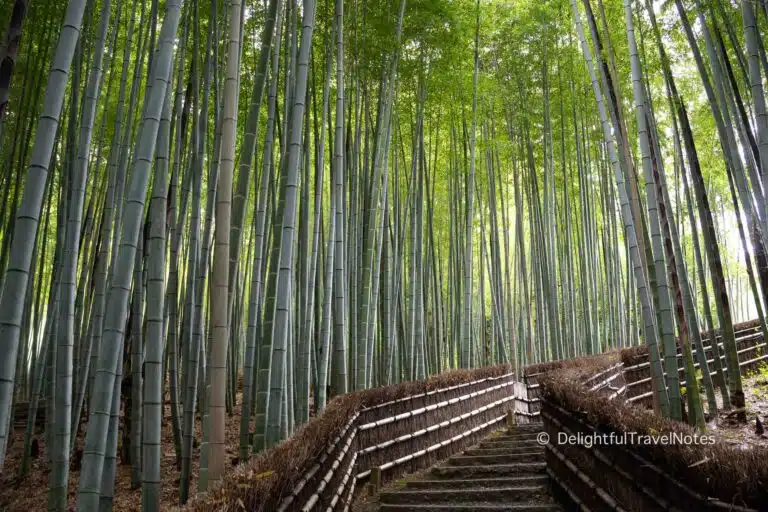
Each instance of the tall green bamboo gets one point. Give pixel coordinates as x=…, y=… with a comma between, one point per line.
x=715, y=263
x=28, y=216
x=466, y=325
x=95, y=443
x=661, y=397
x=220, y=278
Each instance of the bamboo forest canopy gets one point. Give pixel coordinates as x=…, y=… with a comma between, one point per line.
x=217, y=208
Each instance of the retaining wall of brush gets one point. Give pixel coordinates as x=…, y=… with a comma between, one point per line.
x=750, y=344
x=368, y=436
x=599, y=377
x=585, y=398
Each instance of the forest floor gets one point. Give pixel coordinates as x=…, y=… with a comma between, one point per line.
x=31, y=493
x=756, y=397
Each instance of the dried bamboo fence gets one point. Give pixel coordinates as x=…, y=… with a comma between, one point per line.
x=381, y=442
x=751, y=348
x=368, y=438
x=597, y=462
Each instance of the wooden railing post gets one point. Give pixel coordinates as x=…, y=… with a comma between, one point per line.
x=375, y=481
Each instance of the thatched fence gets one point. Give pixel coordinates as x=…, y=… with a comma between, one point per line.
x=368, y=438
x=606, y=453
x=749, y=342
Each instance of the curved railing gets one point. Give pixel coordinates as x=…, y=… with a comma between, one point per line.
x=750, y=345
x=367, y=438
x=597, y=462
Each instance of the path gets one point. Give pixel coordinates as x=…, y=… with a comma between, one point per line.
x=505, y=472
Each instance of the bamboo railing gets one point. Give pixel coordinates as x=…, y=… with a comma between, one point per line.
x=751, y=349
x=381, y=442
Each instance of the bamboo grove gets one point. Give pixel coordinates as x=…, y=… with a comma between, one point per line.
x=214, y=209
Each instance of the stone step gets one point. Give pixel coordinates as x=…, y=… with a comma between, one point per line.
x=469, y=507
x=491, y=470
x=524, y=429
x=474, y=482
x=506, y=450
x=519, y=436
x=505, y=458
x=525, y=443
x=505, y=472
x=472, y=495
x=526, y=426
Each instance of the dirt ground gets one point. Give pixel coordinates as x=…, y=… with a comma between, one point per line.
x=756, y=398
x=31, y=493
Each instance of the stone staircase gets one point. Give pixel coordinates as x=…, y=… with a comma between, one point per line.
x=506, y=472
